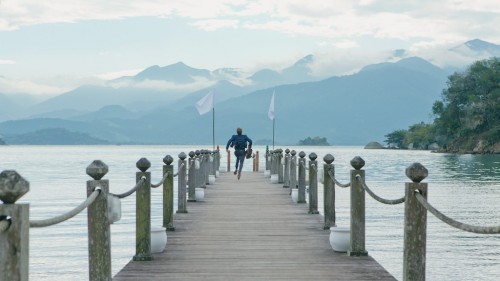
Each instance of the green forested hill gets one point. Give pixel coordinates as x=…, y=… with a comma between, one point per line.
x=466, y=119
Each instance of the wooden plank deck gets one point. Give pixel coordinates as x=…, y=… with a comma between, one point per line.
x=250, y=230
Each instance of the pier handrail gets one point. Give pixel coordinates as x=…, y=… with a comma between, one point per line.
x=68, y=215
x=455, y=223
x=378, y=198
x=138, y=185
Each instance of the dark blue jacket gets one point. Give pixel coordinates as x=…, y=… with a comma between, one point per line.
x=239, y=142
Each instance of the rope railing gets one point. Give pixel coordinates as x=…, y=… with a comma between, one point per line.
x=332, y=177
x=68, y=215
x=454, y=223
x=162, y=180
x=139, y=184
x=380, y=199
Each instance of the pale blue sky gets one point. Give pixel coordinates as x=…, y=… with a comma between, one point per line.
x=48, y=47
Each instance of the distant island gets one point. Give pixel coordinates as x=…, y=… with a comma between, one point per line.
x=466, y=120
x=316, y=141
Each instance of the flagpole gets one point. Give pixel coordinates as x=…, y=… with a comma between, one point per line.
x=213, y=127
x=273, y=132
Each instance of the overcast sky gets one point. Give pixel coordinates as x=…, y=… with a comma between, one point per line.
x=47, y=47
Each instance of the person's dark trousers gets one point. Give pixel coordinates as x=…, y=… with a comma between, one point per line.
x=240, y=157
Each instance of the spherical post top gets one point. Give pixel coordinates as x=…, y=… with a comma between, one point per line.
x=287, y=151
x=182, y=156
x=97, y=169
x=328, y=159
x=143, y=164
x=357, y=163
x=12, y=186
x=271, y=151
x=197, y=152
x=192, y=154
x=313, y=156
x=302, y=154
x=279, y=150
x=293, y=152
x=168, y=160
x=416, y=172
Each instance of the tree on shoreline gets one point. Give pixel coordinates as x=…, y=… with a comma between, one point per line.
x=468, y=114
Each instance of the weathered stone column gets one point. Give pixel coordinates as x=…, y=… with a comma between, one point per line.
x=272, y=162
x=415, y=228
x=280, y=166
x=192, y=177
x=14, y=233
x=286, y=178
x=200, y=175
x=293, y=170
x=181, y=184
x=143, y=213
x=302, y=178
x=215, y=165
x=99, y=233
x=357, y=244
x=268, y=161
x=257, y=161
x=313, y=184
x=168, y=194
x=328, y=192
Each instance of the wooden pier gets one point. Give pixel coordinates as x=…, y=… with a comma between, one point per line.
x=250, y=230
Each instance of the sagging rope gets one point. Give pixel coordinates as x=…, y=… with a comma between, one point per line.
x=379, y=199
x=162, y=180
x=332, y=177
x=454, y=223
x=134, y=189
x=68, y=215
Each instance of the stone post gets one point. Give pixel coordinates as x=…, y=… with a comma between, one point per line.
x=415, y=225
x=215, y=165
x=181, y=184
x=286, y=178
x=14, y=236
x=293, y=170
x=192, y=177
x=200, y=175
x=143, y=213
x=268, y=160
x=357, y=244
x=280, y=166
x=257, y=160
x=313, y=184
x=206, y=168
x=168, y=194
x=302, y=178
x=272, y=162
x=99, y=233
x=328, y=192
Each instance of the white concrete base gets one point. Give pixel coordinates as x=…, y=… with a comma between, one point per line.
x=267, y=173
x=340, y=238
x=274, y=178
x=211, y=179
x=158, y=239
x=295, y=195
x=199, y=193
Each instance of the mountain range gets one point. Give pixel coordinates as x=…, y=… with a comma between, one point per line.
x=156, y=106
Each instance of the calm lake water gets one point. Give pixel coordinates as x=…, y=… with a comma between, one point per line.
x=464, y=187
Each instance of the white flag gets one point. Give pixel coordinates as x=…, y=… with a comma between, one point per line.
x=270, y=113
x=205, y=104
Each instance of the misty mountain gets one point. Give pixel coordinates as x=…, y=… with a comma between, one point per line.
x=177, y=73
x=352, y=109
x=477, y=48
